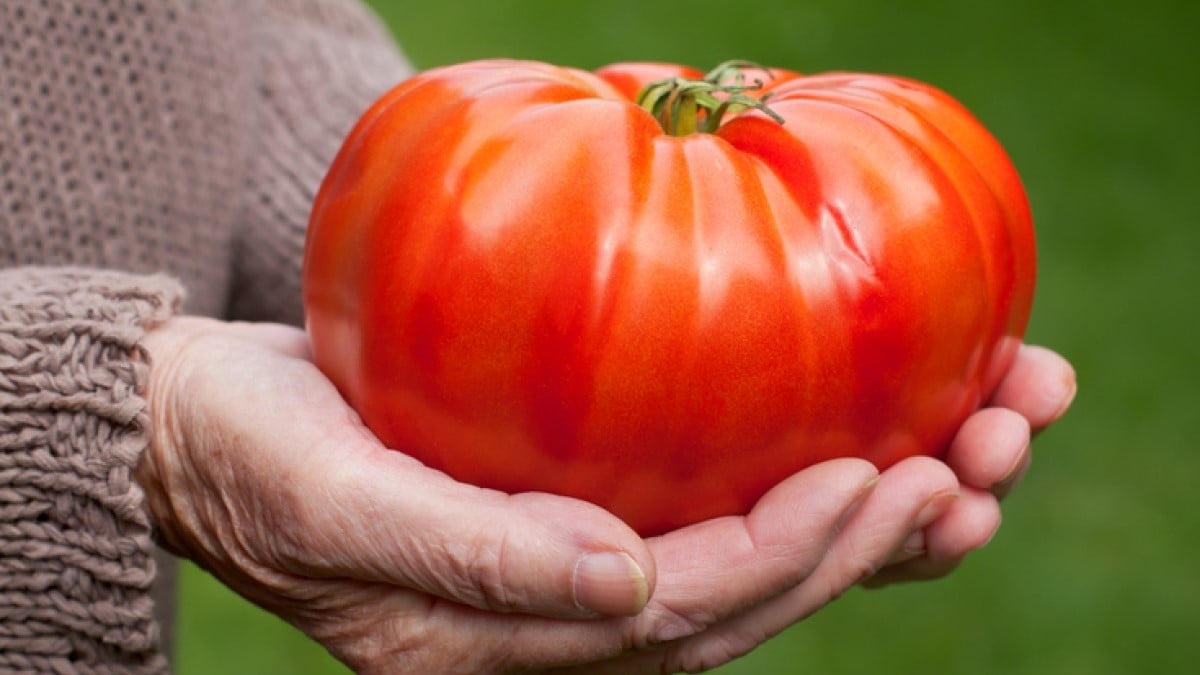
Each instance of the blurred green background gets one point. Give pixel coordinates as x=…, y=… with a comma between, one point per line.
x=1097, y=568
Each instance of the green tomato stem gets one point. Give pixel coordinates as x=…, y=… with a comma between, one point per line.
x=684, y=106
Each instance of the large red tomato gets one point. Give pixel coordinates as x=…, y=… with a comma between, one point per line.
x=516, y=275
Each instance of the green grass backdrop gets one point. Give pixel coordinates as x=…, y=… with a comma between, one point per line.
x=1097, y=568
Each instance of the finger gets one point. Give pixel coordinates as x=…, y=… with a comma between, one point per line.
x=720, y=567
x=968, y=525
x=908, y=496
x=1040, y=385
x=991, y=450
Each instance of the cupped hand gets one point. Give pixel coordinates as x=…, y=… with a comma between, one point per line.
x=260, y=472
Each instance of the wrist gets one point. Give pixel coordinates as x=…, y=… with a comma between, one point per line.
x=159, y=472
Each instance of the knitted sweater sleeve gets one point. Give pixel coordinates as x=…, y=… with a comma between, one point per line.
x=75, y=548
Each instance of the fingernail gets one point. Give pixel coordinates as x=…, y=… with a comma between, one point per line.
x=934, y=507
x=857, y=501
x=912, y=547
x=1014, y=475
x=610, y=584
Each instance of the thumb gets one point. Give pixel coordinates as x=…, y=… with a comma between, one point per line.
x=269, y=471
x=396, y=521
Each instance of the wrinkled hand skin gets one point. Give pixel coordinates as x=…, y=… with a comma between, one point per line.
x=260, y=473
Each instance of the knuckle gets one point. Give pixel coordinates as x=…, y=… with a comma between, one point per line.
x=485, y=574
x=477, y=570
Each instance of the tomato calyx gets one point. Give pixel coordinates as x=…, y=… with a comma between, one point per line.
x=684, y=106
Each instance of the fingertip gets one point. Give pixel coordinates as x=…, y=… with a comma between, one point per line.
x=970, y=525
x=990, y=448
x=835, y=488
x=1005, y=486
x=934, y=475
x=1060, y=384
x=917, y=491
x=1041, y=385
x=852, y=476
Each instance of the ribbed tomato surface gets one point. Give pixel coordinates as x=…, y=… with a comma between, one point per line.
x=515, y=275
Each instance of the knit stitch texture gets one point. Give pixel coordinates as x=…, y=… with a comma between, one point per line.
x=75, y=549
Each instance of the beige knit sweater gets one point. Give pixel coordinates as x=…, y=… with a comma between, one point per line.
x=148, y=150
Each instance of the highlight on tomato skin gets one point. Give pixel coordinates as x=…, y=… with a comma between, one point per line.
x=520, y=276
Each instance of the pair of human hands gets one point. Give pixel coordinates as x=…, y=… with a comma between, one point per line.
x=260, y=472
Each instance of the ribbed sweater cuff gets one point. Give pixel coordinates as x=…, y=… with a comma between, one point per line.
x=76, y=561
